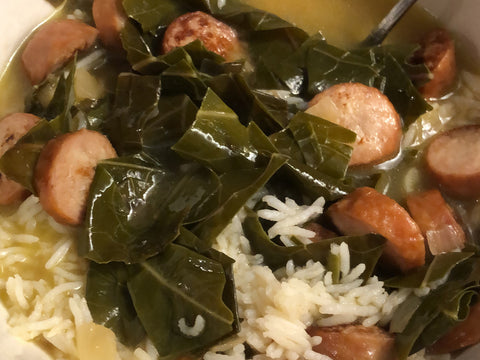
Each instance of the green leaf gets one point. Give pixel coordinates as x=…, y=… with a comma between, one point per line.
x=178, y=286
x=238, y=186
x=270, y=113
x=19, y=162
x=142, y=121
x=136, y=102
x=183, y=78
x=365, y=249
x=153, y=14
x=317, y=65
x=218, y=140
x=422, y=321
x=303, y=179
x=136, y=207
x=438, y=269
x=325, y=146
x=110, y=303
x=139, y=53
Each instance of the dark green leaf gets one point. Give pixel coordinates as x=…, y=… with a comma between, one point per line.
x=110, y=303
x=310, y=182
x=217, y=139
x=325, y=146
x=268, y=112
x=422, y=321
x=238, y=187
x=19, y=162
x=136, y=207
x=317, y=65
x=438, y=269
x=141, y=120
x=152, y=14
x=183, y=78
x=136, y=103
x=139, y=52
x=365, y=249
x=178, y=286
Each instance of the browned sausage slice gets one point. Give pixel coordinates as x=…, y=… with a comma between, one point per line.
x=214, y=34
x=53, y=45
x=321, y=233
x=12, y=128
x=357, y=342
x=109, y=18
x=438, y=53
x=464, y=334
x=367, y=211
x=453, y=158
x=65, y=170
x=365, y=111
x=437, y=221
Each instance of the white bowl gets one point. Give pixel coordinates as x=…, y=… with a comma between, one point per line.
x=19, y=17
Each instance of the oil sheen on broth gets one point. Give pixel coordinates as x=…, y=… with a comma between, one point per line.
x=343, y=22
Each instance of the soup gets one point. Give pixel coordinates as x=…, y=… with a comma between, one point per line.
x=140, y=233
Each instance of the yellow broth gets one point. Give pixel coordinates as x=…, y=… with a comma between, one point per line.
x=347, y=22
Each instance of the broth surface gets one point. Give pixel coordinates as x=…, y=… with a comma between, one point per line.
x=345, y=23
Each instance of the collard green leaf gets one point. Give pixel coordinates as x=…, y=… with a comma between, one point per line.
x=63, y=97
x=325, y=146
x=317, y=65
x=365, y=249
x=268, y=112
x=238, y=186
x=407, y=100
x=303, y=179
x=328, y=65
x=136, y=207
x=110, y=303
x=19, y=162
x=217, y=139
x=183, y=78
x=143, y=121
x=153, y=14
x=136, y=102
x=173, y=291
x=430, y=317
x=139, y=53
x=438, y=269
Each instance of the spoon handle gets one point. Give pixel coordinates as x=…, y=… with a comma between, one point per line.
x=379, y=34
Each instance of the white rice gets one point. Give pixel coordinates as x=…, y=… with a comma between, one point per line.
x=276, y=308
x=45, y=298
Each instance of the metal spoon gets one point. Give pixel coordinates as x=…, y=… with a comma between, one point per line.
x=379, y=34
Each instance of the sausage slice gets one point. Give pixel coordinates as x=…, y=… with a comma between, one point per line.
x=368, y=113
x=436, y=221
x=366, y=211
x=53, y=45
x=453, y=158
x=65, y=170
x=357, y=342
x=321, y=233
x=464, y=334
x=438, y=53
x=109, y=18
x=12, y=128
x=215, y=35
